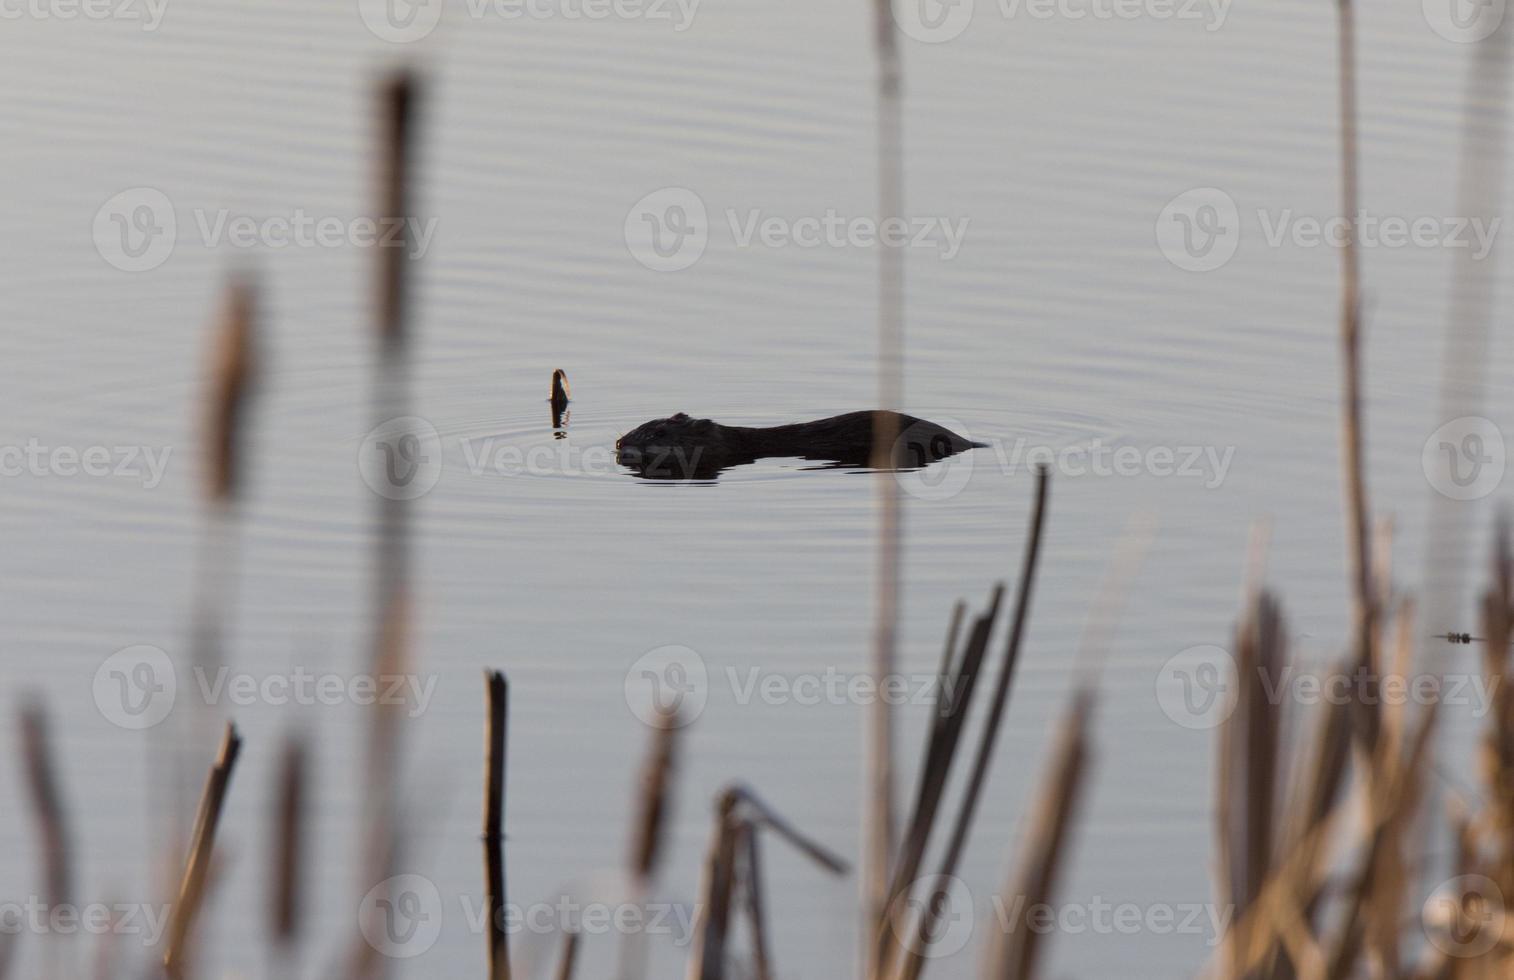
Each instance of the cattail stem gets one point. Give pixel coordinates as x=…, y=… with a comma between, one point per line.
x=192, y=887
x=879, y=803
x=498, y=698
x=288, y=819
x=569, y=955
x=914, y=957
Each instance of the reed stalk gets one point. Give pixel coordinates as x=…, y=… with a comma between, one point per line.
x=879, y=802
x=287, y=820
x=497, y=696
x=197, y=868
x=1033, y=885
x=649, y=832
x=913, y=959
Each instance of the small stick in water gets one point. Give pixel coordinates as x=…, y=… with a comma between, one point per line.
x=560, y=397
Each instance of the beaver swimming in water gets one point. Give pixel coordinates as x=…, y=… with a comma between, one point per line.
x=683, y=448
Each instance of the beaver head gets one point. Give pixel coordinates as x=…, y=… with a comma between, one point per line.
x=674, y=432
x=678, y=444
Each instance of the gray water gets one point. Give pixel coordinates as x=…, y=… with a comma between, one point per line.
x=1058, y=323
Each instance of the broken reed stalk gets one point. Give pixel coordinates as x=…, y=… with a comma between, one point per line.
x=913, y=961
x=648, y=833
x=197, y=868
x=878, y=806
x=713, y=913
x=1034, y=885
x=959, y=680
x=737, y=810
x=750, y=854
x=497, y=693
x=288, y=845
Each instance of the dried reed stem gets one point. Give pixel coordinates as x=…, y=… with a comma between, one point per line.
x=1358, y=526
x=713, y=914
x=390, y=653
x=648, y=833
x=751, y=876
x=914, y=956
x=878, y=815
x=1034, y=884
x=959, y=680
x=232, y=374
x=47, y=805
x=288, y=835
x=569, y=955
x=497, y=691
x=737, y=811
x=196, y=870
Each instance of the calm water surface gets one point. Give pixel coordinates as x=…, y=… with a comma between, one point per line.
x=1059, y=323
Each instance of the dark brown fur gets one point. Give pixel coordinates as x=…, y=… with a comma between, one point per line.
x=680, y=447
